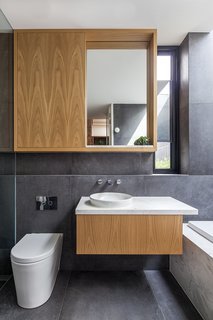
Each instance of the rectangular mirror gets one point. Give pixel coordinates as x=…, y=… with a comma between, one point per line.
x=121, y=90
x=116, y=96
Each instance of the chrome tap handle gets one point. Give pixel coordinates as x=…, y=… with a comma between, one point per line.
x=100, y=181
x=42, y=200
x=118, y=181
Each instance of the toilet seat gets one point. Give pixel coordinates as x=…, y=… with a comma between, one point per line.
x=34, y=247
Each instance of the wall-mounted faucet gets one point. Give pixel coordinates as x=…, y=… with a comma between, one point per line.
x=109, y=182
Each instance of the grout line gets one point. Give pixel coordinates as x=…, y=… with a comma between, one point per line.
x=5, y=277
x=153, y=292
x=15, y=218
x=6, y=281
x=65, y=291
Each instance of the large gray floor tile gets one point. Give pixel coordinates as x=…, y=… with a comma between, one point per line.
x=148, y=295
x=9, y=310
x=171, y=299
x=109, y=296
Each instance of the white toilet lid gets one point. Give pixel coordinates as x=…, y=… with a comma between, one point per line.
x=34, y=247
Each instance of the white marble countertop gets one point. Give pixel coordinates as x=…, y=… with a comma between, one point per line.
x=140, y=205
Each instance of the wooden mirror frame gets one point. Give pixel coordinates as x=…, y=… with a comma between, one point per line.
x=129, y=39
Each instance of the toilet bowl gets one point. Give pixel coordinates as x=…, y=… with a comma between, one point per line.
x=35, y=263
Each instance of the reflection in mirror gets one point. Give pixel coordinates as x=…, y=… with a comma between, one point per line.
x=116, y=96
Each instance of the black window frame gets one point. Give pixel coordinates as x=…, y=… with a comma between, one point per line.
x=173, y=51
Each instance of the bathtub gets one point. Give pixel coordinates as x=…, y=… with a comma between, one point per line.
x=193, y=270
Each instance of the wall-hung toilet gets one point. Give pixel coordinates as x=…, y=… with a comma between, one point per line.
x=35, y=262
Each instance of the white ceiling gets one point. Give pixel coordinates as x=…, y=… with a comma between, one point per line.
x=173, y=18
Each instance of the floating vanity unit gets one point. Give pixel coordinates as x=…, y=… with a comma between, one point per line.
x=147, y=225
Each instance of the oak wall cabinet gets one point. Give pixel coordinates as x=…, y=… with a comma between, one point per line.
x=50, y=89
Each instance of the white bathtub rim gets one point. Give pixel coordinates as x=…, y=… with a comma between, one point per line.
x=198, y=240
x=205, y=228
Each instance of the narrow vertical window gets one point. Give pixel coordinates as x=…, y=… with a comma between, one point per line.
x=166, y=156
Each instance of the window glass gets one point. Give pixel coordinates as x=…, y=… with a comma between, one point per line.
x=165, y=159
x=164, y=67
x=163, y=110
x=163, y=156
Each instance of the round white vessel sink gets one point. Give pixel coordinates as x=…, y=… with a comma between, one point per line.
x=110, y=199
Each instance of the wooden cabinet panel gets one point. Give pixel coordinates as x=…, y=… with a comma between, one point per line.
x=129, y=234
x=49, y=91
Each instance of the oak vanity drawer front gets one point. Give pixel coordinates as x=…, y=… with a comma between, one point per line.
x=129, y=234
x=49, y=90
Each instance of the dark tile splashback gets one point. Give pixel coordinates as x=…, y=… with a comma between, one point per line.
x=194, y=190
x=84, y=163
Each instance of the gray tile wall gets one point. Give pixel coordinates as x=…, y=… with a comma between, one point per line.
x=7, y=221
x=84, y=163
x=194, y=190
x=201, y=103
x=7, y=210
x=196, y=104
x=184, y=106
